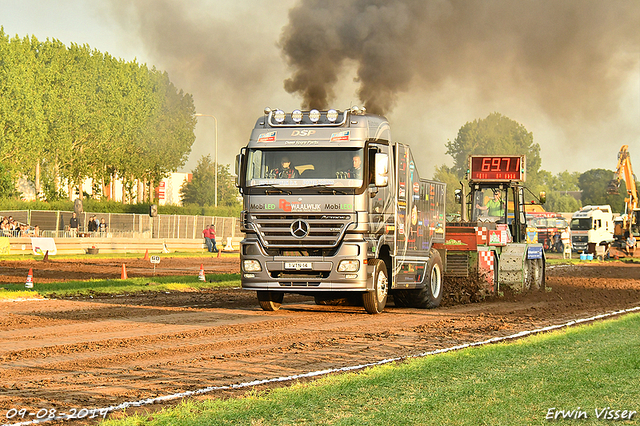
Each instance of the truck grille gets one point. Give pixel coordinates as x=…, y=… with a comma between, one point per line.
x=308, y=230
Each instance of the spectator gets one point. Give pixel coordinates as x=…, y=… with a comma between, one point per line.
x=630, y=243
x=103, y=226
x=207, y=238
x=92, y=226
x=212, y=235
x=73, y=224
x=565, y=237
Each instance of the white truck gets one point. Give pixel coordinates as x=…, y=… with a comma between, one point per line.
x=591, y=226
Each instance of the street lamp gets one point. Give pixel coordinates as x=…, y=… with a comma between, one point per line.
x=215, y=159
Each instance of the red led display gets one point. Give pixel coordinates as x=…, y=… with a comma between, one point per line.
x=496, y=167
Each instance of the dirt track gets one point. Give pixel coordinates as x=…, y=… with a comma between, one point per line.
x=90, y=353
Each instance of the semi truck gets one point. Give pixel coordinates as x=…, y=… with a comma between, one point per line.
x=591, y=226
x=334, y=207
x=489, y=245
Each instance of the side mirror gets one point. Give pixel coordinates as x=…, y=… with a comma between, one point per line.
x=237, y=169
x=382, y=169
x=458, y=195
x=543, y=197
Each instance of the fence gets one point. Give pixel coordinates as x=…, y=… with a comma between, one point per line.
x=55, y=223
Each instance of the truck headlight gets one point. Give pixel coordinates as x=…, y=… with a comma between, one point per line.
x=251, y=265
x=348, y=266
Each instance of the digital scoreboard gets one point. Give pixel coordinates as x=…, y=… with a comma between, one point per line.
x=497, y=168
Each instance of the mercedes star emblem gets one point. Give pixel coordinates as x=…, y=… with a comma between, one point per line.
x=299, y=229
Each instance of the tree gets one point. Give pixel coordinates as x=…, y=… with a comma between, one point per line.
x=7, y=187
x=72, y=113
x=593, y=184
x=495, y=134
x=447, y=175
x=201, y=189
x=556, y=188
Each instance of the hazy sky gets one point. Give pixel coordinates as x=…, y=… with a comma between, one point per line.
x=569, y=71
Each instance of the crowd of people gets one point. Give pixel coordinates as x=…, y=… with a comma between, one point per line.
x=9, y=227
x=93, y=224
x=12, y=228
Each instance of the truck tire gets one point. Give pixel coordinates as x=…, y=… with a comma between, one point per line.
x=270, y=300
x=375, y=300
x=430, y=296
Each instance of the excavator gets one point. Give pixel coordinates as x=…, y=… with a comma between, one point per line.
x=630, y=220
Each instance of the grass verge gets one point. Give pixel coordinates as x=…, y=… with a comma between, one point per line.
x=116, y=286
x=585, y=368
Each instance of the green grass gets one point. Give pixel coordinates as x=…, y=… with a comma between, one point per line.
x=593, y=366
x=117, y=286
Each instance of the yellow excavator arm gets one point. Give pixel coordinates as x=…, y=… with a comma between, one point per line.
x=624, y=171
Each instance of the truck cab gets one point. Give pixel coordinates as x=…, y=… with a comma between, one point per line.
x=591, y=226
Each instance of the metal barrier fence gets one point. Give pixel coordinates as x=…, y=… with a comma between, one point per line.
x=55, y=223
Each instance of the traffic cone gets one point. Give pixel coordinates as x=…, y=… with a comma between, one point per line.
x=123, y=274
x=29, y=282
x=146, y=255
x=201, y=276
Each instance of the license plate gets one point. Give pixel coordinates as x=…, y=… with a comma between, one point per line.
x=297, y=265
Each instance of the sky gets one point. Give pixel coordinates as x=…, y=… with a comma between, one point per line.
x=567, y=70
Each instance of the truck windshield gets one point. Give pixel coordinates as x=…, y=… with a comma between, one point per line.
x=341, y=167
x=580, y=224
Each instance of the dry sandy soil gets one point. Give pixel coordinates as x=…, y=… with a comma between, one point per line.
x=102, y=351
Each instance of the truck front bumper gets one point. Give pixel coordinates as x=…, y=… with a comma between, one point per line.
x=304, y=274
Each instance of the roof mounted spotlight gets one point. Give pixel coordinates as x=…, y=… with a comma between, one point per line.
x=279, y=116
x=314, y=115
x=296, y=115
x=355, y=109
x=267, y=111
x=332, y=115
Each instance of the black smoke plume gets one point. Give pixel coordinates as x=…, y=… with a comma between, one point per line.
x=570, y=57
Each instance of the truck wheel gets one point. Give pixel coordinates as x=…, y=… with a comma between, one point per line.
x=430, y=296
x=375, y=300
x=270, y=300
